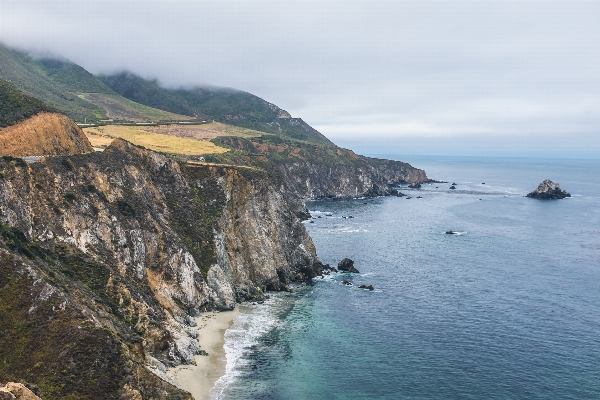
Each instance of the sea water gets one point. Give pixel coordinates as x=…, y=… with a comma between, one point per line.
x=508, y=308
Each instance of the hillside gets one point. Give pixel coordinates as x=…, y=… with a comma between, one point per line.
x=44, y=134
x=29, y=127
x=64, y=85
x=230, y=106
x=16, y=106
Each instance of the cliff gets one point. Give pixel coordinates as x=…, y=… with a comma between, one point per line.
x=315, y=171
x=44, y=134
x=106, y=257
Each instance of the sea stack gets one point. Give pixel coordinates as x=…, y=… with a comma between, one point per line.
x=548, y=190
x=347, y=265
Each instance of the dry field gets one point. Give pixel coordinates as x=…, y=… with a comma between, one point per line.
x=203, y=131
x=102, y=136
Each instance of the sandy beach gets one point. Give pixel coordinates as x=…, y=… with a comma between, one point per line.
x=199, y=379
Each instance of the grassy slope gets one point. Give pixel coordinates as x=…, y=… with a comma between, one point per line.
x=16, y=106
x=231, y=106
x=61, y=83
x=120, y=108
x=52, y=82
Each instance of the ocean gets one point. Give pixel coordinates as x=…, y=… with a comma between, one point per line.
x=509, y=308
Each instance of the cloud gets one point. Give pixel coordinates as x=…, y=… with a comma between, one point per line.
x=466, y=71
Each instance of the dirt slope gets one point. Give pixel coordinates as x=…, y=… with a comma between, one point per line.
x=44, y=134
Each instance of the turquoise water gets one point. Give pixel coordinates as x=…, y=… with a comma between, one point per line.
x=507, y=309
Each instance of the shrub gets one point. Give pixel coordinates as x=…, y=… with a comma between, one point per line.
x=70, y=196
x=67, y=164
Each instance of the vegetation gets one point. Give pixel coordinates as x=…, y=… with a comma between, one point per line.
x=230, y=106
x=63, y=85
x=121, y=109
x=16, y=106
x=54, y=82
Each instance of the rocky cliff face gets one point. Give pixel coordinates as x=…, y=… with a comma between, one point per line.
x=43, y=134
x=106, y=257
x=315, y=171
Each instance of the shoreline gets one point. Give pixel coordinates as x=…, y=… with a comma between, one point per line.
x=199, y=379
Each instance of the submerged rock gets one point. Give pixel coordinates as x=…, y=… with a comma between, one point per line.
x=346, y=283
x=452, y=187
x=370, y=287
x=329, y=267
x=451, y=233
x=347, y=265
x=548, y=190
x=415, y=186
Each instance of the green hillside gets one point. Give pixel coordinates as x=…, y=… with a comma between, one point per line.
x=230, y=106
x=55, y=82
x=71, y=89
x=16, y=106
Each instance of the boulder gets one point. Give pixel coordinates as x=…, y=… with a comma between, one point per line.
x=451, y=233
x=548, y=190
x=370, y=287
x=415, y=186
x=18, y=391
x=347, y=265
x=452, y=187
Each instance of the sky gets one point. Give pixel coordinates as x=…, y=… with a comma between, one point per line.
x=452, y=78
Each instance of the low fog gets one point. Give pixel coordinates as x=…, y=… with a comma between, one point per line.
x=464, y=78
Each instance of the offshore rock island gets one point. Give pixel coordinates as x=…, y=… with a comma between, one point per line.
x=107, y=256
x=548, y=190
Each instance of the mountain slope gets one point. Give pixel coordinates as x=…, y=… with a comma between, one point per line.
x=230, y=106
x=51, y=82
x=16, y=106
x=63, y=85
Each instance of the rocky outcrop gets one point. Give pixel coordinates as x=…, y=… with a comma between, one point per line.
x=347, y=265
x=16, y=391
x=548, y=190
x=318, y=172
x=130, y=245
x=44, y=134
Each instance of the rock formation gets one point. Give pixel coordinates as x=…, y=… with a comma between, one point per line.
x=319, y=172
x=347, y=265
x=16, y=391
x=548, y=190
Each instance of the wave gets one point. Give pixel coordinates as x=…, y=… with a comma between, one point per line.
x=254, y=321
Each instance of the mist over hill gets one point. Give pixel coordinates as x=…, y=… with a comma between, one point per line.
x=227, y=105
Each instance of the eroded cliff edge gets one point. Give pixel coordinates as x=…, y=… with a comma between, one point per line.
x=106, y=257
x=313, y=171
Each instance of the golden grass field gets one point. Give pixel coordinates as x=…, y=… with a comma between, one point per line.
x=202, y=131
x=102, y=136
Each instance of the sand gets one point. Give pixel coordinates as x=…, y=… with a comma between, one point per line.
x=199, y=379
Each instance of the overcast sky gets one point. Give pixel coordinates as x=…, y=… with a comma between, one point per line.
x=463, y=78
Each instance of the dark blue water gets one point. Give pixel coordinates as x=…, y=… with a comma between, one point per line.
x=507, y=309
